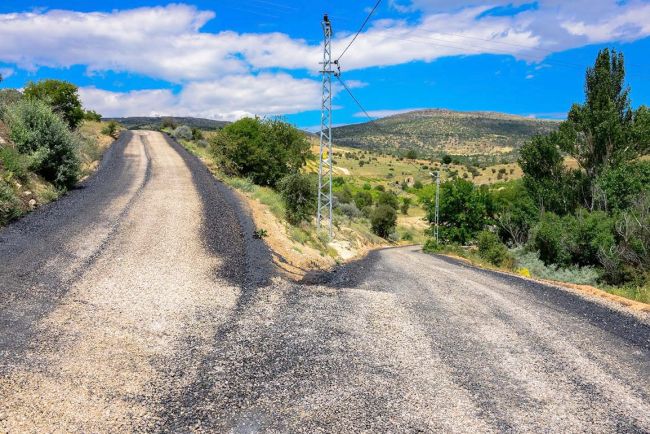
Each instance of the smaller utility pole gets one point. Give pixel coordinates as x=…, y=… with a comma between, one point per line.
x=437, y=206
x=436, y=218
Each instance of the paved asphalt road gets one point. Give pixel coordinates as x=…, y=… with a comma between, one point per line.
x=141, y=302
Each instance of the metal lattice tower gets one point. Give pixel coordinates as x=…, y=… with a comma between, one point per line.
x=325, y=166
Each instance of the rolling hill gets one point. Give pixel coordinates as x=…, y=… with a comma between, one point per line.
x=153, y=123
x=433, y=132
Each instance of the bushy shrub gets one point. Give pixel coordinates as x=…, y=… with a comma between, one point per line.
x=197, y=134
x=183, y=133
x=300, y=195
x=7, y=98
x=383, y=220
x=406, y=204
x=263, y=150
x=629, y=259
x=9, y=204
x=363, y=199
x=45, y=139
x=91, y=115
x=344, y=195
x=350, y=210
x=529, y=261
x=492, y=249
x=573, y=239
x=13, y=162
x=432, y=246
x=111, y=129
x=61, y=96
x=388, y=198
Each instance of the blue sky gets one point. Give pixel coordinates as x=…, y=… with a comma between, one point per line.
x=225, y=59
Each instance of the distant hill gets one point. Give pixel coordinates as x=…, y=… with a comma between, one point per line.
x=153, y=123
x=432, y=132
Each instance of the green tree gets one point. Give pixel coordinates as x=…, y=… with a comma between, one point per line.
x=363, y=199
x=463, y=211
x=300, y=194
x=383, y=220
x=61, y=96
x=388, y=198
x=263, y=150
x=604, y=132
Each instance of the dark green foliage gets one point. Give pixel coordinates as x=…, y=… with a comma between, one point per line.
x=418, y=185
x=446, y=159
x=432, y=246
x=344, y=195
x=169, y=123
x=492, y=249
x=463, y=211
x=573, y=240
x=388, y=198
x=91, y=115
x=629, y=259
x=14, y=163
x=261, y=149
x=411, y=154
x=380, y=188
x=9, y=203
x=545, y=176
x=300, y=194
x=7, y=98
x=197, y=134
x=383, y=220
x=45, y=139
x=111, y=129
x=61, y=96
x=515, y=213
x=620, y=186
x=363, y=199
x=404, y=207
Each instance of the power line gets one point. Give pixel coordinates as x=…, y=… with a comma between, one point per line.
x=363, y=26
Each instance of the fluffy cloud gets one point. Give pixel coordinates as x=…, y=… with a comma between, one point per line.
x=227, y=74
x=228, y=98
x=161, y=42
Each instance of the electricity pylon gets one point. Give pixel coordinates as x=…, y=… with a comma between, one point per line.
x=325, y=166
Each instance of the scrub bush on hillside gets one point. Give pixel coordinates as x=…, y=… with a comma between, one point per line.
x=262, y=150
x=45, y=139
x=300, y=194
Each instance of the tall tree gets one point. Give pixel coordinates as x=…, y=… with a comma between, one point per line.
x=604, y=131
x=61, y=96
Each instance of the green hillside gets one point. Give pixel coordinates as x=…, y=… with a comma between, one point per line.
x=154, y=123
x=433, y=132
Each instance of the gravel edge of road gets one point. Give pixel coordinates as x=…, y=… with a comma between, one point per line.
x=259, y=264
x=630, y=325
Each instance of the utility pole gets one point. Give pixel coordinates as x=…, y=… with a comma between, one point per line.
x=325, y=167
x=437, y=206
x=436, y=220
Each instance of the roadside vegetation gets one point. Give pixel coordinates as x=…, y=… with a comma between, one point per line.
x=586, y=223
x=48, y=143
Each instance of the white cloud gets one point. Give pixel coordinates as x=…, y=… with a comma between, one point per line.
x=226, y=74
x=168, y=43
x=161, y=42
x=228, y=98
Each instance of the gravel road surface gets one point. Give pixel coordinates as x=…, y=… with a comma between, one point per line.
x=141, y=302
